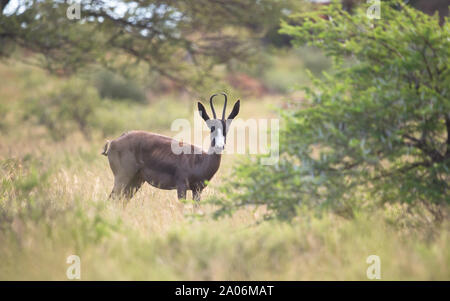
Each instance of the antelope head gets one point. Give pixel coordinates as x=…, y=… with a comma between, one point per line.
x=218, y=127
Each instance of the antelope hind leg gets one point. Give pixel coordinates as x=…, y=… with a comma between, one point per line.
x=122, y=186
x=133, y=186
x=196, y=193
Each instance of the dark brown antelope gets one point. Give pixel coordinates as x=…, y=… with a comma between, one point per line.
x=137, y=157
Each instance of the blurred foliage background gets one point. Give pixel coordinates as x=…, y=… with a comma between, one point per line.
x=364, y=143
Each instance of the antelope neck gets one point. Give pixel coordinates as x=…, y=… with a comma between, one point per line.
x=212, y=161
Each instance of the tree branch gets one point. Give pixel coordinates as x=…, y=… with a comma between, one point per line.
x=434, y=155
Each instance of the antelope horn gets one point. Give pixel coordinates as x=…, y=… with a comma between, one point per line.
x=224, y=105
x=211, y=105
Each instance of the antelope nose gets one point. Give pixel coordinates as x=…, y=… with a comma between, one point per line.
x=220, y=143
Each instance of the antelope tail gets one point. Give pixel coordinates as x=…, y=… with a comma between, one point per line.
x=106, y=148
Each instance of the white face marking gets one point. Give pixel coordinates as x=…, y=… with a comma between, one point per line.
x=219, y=138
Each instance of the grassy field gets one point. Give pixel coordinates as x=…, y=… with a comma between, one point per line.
x=53, y=203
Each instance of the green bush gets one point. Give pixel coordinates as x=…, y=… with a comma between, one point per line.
x=110, y=85
x=65, y=109
x=377, y=129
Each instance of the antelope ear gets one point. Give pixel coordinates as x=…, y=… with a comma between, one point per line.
x=202, y=111
x=235, y=110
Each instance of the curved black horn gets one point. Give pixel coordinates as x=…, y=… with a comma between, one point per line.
x=224, y=105
x=212, y=106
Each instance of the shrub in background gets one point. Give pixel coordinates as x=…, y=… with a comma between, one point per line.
x=67, y=108
x=114, y=86
x=376, y=129
x=113, y=118
x=281, y=70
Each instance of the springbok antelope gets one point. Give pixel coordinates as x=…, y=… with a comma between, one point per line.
x=137, y=157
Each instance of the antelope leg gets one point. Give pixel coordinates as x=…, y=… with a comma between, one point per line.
x=196, y=193
x=181, y=191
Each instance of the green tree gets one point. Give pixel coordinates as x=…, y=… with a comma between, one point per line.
x=178, y=39
x=377, y=128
